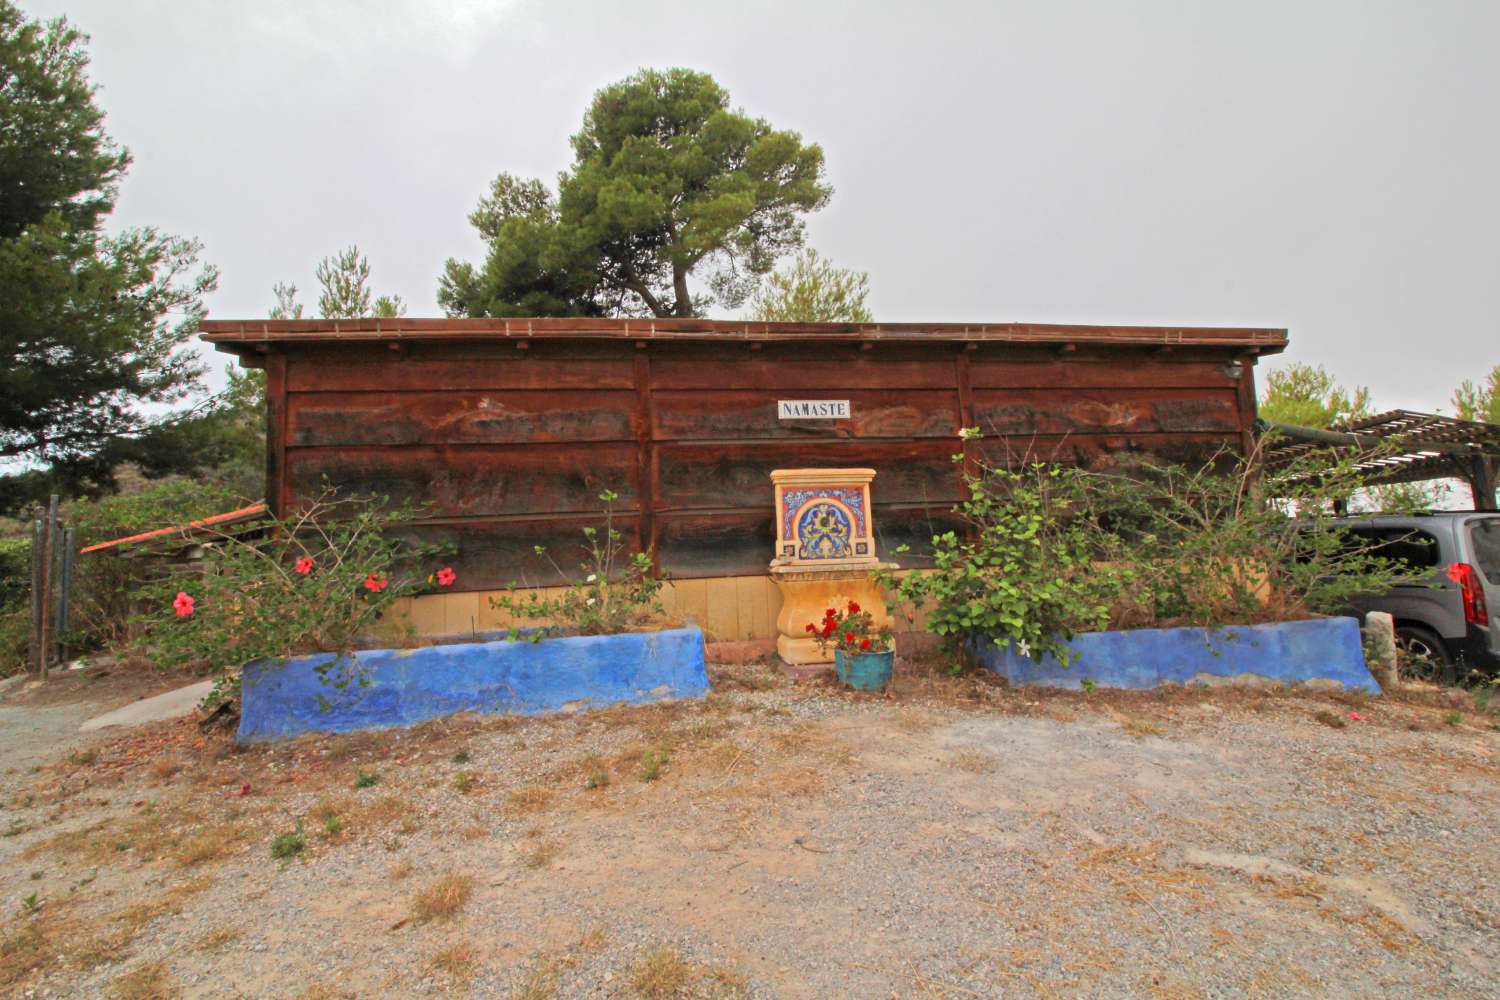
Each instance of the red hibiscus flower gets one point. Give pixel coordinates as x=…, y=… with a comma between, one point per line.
x=446, y=576
x=304, y=565
x=853, y=608
x=375, y=584
x=865, y=644
x=183, y=603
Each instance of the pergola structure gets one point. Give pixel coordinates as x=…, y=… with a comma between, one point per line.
x=1409, y=447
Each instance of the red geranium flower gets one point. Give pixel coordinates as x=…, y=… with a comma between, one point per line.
x=848, y=636
x=304, y=565
x=183, y=603
x=828, y=628
x=446, y=576
x=375, y=584
x=1455, y=574
x=853, y=608
x=865, y=644
x=811, y=627
x=830, y=613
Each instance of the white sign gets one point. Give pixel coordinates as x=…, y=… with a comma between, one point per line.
x=812, y=409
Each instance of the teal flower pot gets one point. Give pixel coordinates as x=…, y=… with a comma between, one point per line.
x=864, y=671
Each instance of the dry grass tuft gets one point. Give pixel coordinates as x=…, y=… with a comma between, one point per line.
x=400, y=870
x=539, y=851
x=457, y=960
x=539, y=981
x=163, y=769
x=218, y=939
x=663, y=974
x=443, y=898
x=531, y=799
x=388, y=810
x=209, y=844
x=1140, y=728
x=145, y=982
x=974, y=762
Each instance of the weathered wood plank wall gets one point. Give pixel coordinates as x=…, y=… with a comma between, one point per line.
x=512, y=443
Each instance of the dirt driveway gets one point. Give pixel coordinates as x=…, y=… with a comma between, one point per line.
x=958, y=840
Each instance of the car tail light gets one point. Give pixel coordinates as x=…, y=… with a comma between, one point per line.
x=1475, y=612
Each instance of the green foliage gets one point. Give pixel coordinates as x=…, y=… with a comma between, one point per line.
x=56, y=155
x=812, y=290
x=1023, y=574
x=15, y=572
x=667, y=181
x=15, y=639
x=287, y=306
x=1308, y=396
x=652, y=761
x=614, y=595
x=345, y=278
x=285, y=846
x=91, y=325
x=367, y=779
x=1479, y=402
x=252, y=602
x=1053, y=550
x=104, y=582
x=389, y=307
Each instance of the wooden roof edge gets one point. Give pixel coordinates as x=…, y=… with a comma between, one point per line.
x=231, y=332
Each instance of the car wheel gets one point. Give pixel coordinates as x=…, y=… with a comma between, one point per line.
x=1421, y=655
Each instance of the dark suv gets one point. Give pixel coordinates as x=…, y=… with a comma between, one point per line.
x=1444, y=620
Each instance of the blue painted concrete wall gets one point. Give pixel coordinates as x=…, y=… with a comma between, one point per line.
x=410, y=685
x=1282, y=652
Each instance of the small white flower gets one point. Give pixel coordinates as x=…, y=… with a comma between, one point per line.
x=590, y=601
x=592, y=578
x=1023, y=647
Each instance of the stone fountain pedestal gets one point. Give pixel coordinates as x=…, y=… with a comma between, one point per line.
x=825, y=555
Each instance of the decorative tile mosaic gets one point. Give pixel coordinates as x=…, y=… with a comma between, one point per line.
x=852, y=497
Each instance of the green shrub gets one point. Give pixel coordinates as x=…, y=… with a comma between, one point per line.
x=1052, y=550
x=615, y=593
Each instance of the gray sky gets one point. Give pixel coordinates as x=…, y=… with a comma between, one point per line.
x=1330, y=167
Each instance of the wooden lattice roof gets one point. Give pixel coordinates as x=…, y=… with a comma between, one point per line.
x=1413, y=447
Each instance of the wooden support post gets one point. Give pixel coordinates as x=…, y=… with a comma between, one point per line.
x=645, y=459
x=35, y=655
x=65, y=592
x=1482, y=482
x=49, y=542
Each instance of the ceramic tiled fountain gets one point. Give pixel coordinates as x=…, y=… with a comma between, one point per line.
x=825, y=553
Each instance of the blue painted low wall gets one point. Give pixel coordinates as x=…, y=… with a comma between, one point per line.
x=406, y=686
x=1321, y=649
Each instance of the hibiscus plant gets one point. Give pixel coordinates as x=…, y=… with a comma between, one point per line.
x=319, y=580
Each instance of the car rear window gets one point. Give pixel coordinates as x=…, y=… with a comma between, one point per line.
x=1412, y=548
x=1486, y=536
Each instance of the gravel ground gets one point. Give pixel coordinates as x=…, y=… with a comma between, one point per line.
x=956, y=840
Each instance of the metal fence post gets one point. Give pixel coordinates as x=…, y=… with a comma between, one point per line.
x=65, y=593
x=38, y=537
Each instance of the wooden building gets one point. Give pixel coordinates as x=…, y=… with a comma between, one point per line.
x=510, y=429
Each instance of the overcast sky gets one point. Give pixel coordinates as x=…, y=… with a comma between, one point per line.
x=1329, y=167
